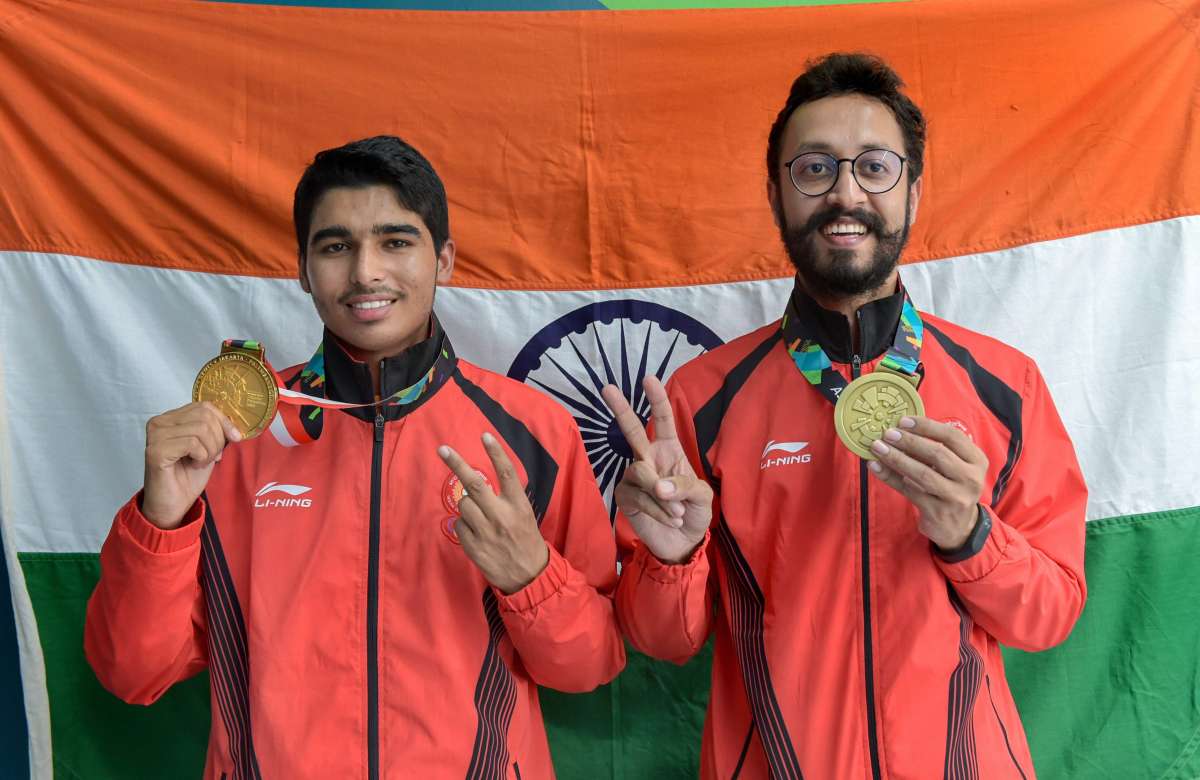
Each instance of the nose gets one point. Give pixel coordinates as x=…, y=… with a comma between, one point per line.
x=846, y=193
x=367, y=266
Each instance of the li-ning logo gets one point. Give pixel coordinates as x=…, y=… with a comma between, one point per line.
x=262, y=501
x=791, y=454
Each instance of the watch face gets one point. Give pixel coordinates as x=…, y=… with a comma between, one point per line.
x=242, y=388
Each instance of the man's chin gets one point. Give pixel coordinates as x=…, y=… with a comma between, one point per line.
x=379, y=338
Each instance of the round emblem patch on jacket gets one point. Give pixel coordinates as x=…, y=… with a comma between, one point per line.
x=962, y=426
x=453, y=491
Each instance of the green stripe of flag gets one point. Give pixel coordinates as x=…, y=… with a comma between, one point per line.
x=1119, y=699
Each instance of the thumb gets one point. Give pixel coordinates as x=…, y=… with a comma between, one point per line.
x=232, y=432
x=683, y=487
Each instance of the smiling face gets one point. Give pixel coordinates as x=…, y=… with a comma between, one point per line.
x=847, y=242
x=372, y=270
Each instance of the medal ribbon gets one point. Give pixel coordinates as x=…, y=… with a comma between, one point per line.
x=287, y=427
x=903, y=357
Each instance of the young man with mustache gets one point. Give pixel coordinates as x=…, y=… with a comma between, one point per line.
x=383, y=599
x=858, y=592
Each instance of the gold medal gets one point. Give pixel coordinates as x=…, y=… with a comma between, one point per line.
x=870, y=405
x=240, y=385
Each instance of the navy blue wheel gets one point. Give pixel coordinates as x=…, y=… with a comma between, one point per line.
x=617, y=342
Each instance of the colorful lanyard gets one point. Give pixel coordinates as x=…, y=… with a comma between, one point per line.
x=297, y=421
x=902, y=358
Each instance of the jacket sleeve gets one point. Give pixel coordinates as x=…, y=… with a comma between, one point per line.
x=145, y=627
x=666, y=610
x=562, y=623
x=1025, y=584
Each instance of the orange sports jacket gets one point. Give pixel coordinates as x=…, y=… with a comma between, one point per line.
x=346, y=632
x=845, y=646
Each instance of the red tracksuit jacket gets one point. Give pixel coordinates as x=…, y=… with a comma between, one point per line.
x=346, y=632
x=845, y=646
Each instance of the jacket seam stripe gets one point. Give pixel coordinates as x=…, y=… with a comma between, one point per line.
x=1003, y=731
x=1001, y=400
x=219, y=670
x=236, y=635
x=737, y=770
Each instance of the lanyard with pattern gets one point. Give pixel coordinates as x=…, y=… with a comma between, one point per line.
x=902, y=358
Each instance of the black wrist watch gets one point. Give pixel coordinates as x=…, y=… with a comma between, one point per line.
x=974, y=543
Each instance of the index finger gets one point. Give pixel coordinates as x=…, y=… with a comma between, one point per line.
x=473, y=483
x=660, y=409
x=627, y=421
x=506, y=472
x=955, y=440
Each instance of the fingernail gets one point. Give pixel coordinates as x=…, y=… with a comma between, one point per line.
x=489, y=438
x=677, y=522
x=879, y=447
x=236, y=435
x=907, y=422
x=891, y=434
x=676, y=508
x=873, y=465
x=444, y=451
x=666, y=487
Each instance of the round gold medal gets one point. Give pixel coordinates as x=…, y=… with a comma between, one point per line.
x=241, y=387
x=869, y=406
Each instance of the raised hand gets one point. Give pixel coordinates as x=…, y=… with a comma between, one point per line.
x=938, y=469
x=669, y=507
x=182, y=446
x=498, y=532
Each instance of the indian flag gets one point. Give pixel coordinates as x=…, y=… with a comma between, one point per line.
x=607, y=186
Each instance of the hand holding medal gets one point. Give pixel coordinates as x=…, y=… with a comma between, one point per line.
x=933, y=465
x=239, y=383
x=941, y=471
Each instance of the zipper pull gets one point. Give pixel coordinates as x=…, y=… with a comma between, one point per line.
x=379, y=426
x=855, y=366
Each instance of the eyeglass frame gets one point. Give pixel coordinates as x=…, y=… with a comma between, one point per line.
x=838, y=174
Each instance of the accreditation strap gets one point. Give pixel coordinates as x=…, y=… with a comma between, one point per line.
x=869, y=405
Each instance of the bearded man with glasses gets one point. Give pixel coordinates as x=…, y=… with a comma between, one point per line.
x=860, y=501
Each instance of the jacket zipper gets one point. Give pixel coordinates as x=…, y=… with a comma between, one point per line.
x=868, y=649
x=373, y=603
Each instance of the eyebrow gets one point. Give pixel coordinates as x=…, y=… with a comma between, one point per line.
x=341, y=231
x=820, y=146
x=333, y=231
x=403, y=227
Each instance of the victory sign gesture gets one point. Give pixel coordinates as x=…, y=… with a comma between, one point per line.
x=669, y=507
x=498, y=532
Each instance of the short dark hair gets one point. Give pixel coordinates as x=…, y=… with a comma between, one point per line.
x=849, y=74
x=382, y=160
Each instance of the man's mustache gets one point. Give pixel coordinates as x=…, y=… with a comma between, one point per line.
x=357, y=291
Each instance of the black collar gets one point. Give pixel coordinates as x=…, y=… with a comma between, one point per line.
x=877, y=322
x=349, y=380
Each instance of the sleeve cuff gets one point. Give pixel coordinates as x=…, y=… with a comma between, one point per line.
x=544, y=586
x=668, y=573
x=158, y=541
x=980, y=555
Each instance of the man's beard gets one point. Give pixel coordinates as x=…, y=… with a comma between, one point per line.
x=836, y=276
